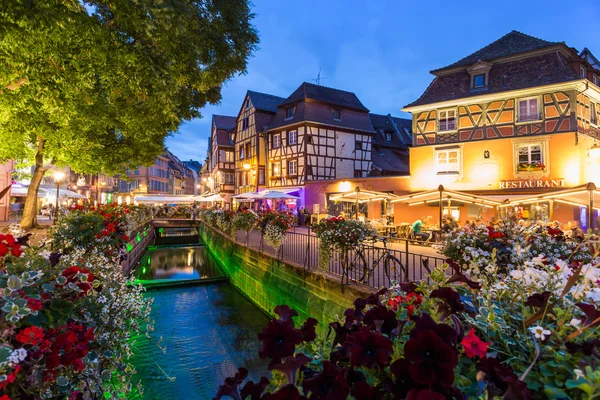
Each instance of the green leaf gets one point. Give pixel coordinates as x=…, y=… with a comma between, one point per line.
x=555, y=393
x=62, y=381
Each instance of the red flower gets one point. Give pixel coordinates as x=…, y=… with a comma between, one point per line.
x=4, y=397
x=369, y=349
x=125, y=238
x=10, y=239
x=16, y=251
x=279, y=339
x=10, y=378
x=3, y=249
x=381, y=313
x=33, y=335
x=308, y=330
x=34, y=304
x=473, y=345
x=432, y=360
x=330, y=383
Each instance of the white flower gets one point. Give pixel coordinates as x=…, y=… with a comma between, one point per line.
x=17, y=356
x=539, y=332
x=501, y=286
x=575, y=322
x=594, y=295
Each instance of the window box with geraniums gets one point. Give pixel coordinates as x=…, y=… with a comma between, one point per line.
x=529, y=332
x=531, y=167
x=224, y=220
x=274, y=226
x=339, y=234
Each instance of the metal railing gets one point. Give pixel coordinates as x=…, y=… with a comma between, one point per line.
x=371, y=264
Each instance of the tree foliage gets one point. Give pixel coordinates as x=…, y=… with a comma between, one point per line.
x=98, y=85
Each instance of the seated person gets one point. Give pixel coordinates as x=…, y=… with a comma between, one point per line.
x=418, y=226
x=576, y=231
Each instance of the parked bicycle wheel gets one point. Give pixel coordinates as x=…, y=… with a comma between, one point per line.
x=394, y=270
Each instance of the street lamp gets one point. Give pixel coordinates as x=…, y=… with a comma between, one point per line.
x=58, y=176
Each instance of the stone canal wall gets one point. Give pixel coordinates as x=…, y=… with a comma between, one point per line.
x=269, y=282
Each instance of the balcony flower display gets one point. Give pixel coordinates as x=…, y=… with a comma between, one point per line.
x=339, y=234
x=531, y=167
x=274, y=225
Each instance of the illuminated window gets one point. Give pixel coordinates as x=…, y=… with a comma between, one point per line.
x=593, y=116
x=292, y=137
x=276, y=142
x=276, y=169
x=229, y=156
x=292, y=167
x=530, y=157
x=529, y=109
x=447, y=160
x=261, y=176
x=241, y=152
x=447, y=120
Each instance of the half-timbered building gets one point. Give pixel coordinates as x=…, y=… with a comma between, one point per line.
x=318, y=133
x=515, y=117
x=221, y=157
x=253, y=120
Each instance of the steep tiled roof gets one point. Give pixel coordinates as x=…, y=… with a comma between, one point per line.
x=383, y=124
x=264, y=102
x=326, y=95
x=540, y=70
x=224, y=122
x=388, y=162
x=510, y=44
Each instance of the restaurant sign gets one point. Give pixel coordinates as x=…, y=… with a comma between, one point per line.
x=532, y=183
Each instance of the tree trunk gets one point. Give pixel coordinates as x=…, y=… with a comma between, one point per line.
x=29, y=219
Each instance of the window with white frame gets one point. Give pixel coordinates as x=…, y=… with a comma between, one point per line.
x=596, y=80
x=593, y=116
x=292, y=137
x=388, y=137
x=276, y=142
x=276, y=169
x=229, y=156
x=446, y=120
x=447, y=160
x=292, y=167
x=229, y=178
x=582, y=71
x=529, y=109
x=530, y=157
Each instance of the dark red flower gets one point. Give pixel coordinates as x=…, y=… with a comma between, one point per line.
x=386, y=317
x=230, y=386
x=363, y=391
x=308, y=330
x=32, y=335
x=279, y=339
x=592, y=314
x=432, y=359
x=402, y=382
x=330, y=384
x=586, y=348
x=458, y=276
x=473, y=345
x=289, y=366
x=425, y=322
x=501, y=380
x=451, y=299
x=254, y=390
x=369, y=349
x=538, y=300
x=287, y=392
x=424, y=394
x=285, y=313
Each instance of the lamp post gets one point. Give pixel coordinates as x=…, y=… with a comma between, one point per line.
x=357, y=189
x=58, y=176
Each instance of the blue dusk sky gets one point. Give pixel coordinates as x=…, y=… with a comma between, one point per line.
x=380, y=50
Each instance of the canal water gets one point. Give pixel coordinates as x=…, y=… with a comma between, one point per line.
x=202, y=332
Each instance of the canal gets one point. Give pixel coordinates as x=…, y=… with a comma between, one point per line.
x=202, y=331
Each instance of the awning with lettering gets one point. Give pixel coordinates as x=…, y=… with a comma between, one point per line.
x=586, y=195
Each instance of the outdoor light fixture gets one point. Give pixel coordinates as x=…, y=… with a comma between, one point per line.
x=204, y=180
x=246, y=167
x=594, y=151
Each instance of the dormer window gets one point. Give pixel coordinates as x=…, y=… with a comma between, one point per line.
x=582, y=71
x=479, y=73
x=337, y=114
x=388, y=137
x=479, y=81
x=289, y=113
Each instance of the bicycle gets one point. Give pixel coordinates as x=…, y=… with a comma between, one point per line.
x=390, y=262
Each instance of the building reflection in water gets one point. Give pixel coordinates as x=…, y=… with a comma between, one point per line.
x=177, y=263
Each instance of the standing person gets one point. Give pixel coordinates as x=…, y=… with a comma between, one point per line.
x=418, y=226
x=597, y=230
x=307, y=218
x=194, y=211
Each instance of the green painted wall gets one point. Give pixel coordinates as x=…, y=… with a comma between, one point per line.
x=269, y=282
